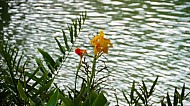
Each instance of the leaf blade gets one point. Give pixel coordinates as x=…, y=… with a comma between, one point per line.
x=21, y=91
x=61, y=48
x=152, y=87
x=100, y=100
x=48, y=59
x=65, y=40
x=54, y=98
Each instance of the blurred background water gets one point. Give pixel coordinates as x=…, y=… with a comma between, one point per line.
x=150, y=38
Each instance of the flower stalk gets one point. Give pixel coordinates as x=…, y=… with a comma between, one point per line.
x=90, y=80
x=101, y=46
x=76, y=75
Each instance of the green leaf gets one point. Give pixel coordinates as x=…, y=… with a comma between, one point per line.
x=145, y=89
x=67, y=101
x=21, y=91
x=48, y=59
x=82, y=90
x=162, y=102
x=168, y=100
x=75, y=28
x=31, y=102
x=100, y=100
x=59, y=61
x=86, y=102
x=39, y=62
x=175, y=97
x=77, y=102
x=14, y=60
x=65, y=39
x=152, y=87
x=186, y=95
x=183, y=92
x=46, y=86
x=18, y=64
x=62, y=49
x=63, y=104
x=54, y=98
x=93, y=96
x=84, y=16
x=31, y=90
x=125, y=97
x=71, y=34
x=140, y=96
x=40, y=80
x=132, y=91
x=30, y=76
x=116, y=99
x=79, y=20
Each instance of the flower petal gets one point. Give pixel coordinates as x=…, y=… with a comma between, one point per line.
x=100, y=43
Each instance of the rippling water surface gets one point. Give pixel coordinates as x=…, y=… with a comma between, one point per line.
x=150, y=37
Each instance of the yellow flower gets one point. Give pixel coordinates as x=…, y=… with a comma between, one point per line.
x=100, y=43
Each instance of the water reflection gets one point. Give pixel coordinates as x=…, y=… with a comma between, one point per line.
x=150, y=37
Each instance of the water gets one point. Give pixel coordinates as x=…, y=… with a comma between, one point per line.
x=150, y=38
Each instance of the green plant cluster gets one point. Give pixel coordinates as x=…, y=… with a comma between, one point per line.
x=142, y=96
x=36, y=87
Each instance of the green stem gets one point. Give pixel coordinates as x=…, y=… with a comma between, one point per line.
x=80, y=64
x=91, y=78
x=93, y=69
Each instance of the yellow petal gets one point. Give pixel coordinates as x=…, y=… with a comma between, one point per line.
x=100, y=43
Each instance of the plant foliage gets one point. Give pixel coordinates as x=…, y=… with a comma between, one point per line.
x=21, y=85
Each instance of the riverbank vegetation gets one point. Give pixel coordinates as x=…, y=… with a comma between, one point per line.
x=23, y=86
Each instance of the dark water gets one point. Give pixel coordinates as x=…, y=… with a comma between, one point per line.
x=150, y=38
